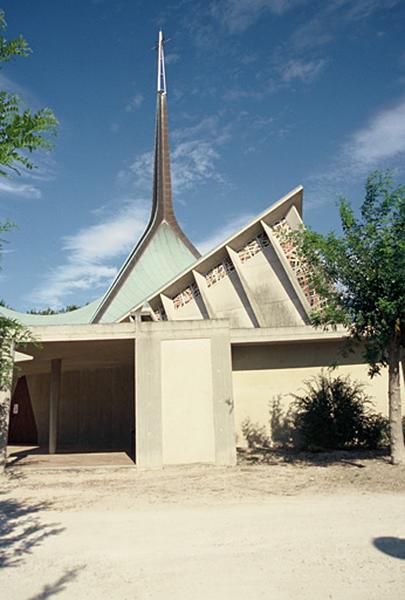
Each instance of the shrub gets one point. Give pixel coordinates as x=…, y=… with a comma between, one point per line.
x=375, y=432
x=255, y=434
x=333, y=414
x=283, y=432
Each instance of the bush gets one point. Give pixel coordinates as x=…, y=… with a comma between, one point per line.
x=255, y=434
x=333, y=414
x=375, y=432
x=283, y=431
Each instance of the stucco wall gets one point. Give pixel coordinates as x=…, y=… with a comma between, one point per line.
x=187, y=408
x=96, y=409
x=261, y=373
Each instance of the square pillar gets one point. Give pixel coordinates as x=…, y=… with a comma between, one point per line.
x=148, y=401
x=54, y=400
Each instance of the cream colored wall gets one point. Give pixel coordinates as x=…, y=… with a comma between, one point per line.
x=261, y=373
x=187, y=405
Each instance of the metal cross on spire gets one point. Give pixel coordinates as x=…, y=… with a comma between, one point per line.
x=161, y=76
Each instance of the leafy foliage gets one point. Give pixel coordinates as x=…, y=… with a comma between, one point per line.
x=360, y=280
x=12, y=333
x=255, y=434
x=361, y=274
x=21, y=130
x=52, y=311
x=283, y=431
x=334, y=414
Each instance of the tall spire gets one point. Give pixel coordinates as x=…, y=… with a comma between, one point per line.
x=163, y=250
x=162, y=202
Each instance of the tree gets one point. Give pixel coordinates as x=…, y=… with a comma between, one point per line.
x=359, y=277
x=22, y=132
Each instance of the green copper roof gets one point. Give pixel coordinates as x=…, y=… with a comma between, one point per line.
x=163, y=258
x=75, y=317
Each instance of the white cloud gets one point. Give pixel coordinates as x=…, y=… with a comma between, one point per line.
x=381, y=140
x=22, y=190
x=306, y=71
x=238, y=15
x=172, y=58
x=90, y=253
x=194, y=157
x=134, y=103
x=194, y=162
x=63, y=281
x=222, y=233
x=380, y=144
x=108, y=239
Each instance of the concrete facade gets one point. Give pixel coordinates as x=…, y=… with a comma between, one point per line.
x=184, y=398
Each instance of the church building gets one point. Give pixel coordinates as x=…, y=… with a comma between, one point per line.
x=181, y=348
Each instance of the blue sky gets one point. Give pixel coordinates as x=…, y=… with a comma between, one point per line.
x=263, y=95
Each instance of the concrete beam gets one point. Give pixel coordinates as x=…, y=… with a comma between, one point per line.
x=277, y=335
x=54, y=400
x=167, y=304
x=260, y=322
x=287, y=267
x=202, y=286
x=96, y=331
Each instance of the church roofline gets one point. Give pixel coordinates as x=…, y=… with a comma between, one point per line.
x=293, y=198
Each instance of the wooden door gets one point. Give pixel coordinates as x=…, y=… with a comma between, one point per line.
x=23, y=428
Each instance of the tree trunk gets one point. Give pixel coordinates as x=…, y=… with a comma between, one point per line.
x=394, y=395
x=5, y=404
x=5, y=400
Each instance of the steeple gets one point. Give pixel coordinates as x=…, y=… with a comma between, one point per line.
x=163, y=250
x=162, y=202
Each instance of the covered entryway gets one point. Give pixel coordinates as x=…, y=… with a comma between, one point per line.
x=76, y=397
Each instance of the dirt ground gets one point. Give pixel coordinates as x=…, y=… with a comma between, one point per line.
x=325, y=528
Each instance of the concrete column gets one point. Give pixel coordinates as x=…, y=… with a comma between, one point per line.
x=202, y=286
x=54, y=399
x=223, y=403
x=148, y=407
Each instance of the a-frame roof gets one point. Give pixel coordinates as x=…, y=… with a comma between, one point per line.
x=253, y=278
